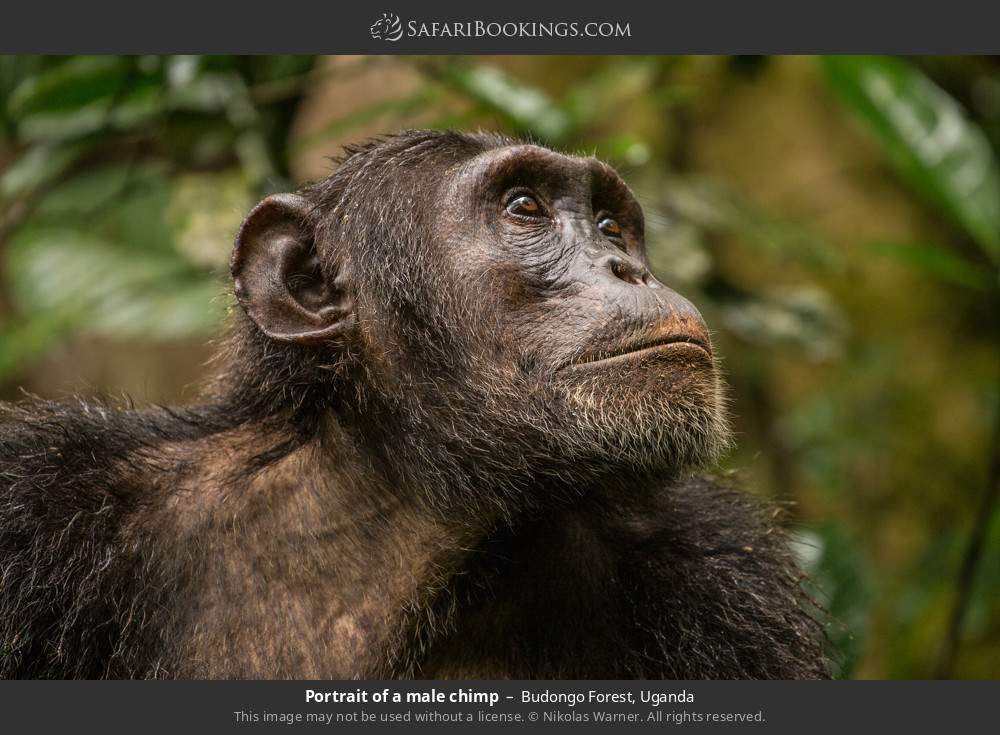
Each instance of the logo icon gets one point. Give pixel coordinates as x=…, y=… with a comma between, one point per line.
x=387, y=28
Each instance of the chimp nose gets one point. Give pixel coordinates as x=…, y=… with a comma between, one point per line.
x=627, y=269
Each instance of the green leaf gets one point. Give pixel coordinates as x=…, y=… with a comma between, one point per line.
x=528, y=108
x=40, y=165
x=936, y=261
x=76, y=82
x=715, y=207
x=14, y=69
x=803, y=318
x=927, y=137
x=85, y=192
x=598, y=97
x=108, y=289
x=82, y=95
x=208, y=92
x=121, y=202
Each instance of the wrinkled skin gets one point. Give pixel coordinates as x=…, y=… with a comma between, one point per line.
x=454, y=437
x=577, y=292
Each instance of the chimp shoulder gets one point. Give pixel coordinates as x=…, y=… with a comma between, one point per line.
x=81, y=588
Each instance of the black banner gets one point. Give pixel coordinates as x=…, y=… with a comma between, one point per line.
x=451, y=26
x=792, y=707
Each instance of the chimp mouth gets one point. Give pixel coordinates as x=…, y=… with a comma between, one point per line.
x=639, y=348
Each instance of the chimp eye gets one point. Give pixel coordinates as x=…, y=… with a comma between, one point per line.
x=524, y=205
x=609, y=227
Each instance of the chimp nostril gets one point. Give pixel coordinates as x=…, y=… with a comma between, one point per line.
x=625, y=270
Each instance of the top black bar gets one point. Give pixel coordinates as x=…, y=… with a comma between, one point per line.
x=451, y=26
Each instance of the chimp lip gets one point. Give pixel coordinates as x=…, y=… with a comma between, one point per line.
x=639, y=347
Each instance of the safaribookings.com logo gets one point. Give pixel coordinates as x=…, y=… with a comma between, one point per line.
x=387, y=28
x=390, y=28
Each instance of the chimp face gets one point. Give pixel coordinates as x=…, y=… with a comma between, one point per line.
x=497, y=289
x=560, y=241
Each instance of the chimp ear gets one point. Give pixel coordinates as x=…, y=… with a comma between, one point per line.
x=279, y=281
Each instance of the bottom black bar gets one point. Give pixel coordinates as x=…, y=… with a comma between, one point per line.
x=376, y=706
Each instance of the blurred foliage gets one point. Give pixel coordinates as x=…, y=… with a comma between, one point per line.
x=127, y=179
x=837, y=220
x=928, y=139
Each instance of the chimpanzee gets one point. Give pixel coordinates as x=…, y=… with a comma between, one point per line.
x=454, y=435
